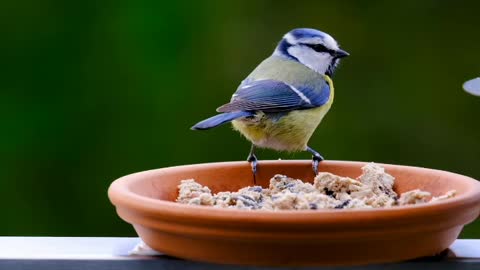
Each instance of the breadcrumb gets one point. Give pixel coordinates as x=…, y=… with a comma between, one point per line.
x=372, y=189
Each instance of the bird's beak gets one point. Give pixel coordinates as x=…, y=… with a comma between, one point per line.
x=341, y=53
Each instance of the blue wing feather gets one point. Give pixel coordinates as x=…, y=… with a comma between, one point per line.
x=275, y=96
x=220, y=119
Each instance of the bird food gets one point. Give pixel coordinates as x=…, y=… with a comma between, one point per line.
x=372, y=189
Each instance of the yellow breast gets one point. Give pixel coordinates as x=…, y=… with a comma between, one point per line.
x=289, y=133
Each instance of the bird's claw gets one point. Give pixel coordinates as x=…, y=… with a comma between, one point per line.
x=315, y=166
x=315, y=161
x=253, y=163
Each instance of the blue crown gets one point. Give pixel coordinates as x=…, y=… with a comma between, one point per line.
x=306, y=33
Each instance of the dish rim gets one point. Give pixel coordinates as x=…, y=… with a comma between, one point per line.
x=122, y=196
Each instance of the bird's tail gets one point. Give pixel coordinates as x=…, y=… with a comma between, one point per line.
x=220, y=119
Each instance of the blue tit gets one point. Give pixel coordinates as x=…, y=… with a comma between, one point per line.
x=281, y=103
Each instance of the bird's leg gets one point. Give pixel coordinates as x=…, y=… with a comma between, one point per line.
x=253, y=161
x=315, y=159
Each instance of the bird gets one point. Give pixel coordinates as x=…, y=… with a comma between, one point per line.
x=282, y=101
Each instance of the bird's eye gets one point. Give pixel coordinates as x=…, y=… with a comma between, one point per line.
x=319, y=47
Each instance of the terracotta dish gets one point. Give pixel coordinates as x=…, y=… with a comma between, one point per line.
x=321, y=237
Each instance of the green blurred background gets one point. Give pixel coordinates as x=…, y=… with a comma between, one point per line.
x=93, y=90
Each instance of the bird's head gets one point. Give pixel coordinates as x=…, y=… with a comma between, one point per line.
x=312, y=48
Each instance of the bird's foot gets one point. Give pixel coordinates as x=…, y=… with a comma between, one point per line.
x=253, y=163
x=316, y=159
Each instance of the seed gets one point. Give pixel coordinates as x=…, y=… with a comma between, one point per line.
x=329, y=192
x=342, y=205
x=256, y=189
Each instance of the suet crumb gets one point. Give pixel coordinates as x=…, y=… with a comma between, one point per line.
x=373, y=189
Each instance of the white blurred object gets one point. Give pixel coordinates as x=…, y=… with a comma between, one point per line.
x=143, y=250
x=472, y=86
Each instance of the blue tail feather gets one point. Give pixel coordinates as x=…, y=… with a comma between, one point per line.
x=220, y=119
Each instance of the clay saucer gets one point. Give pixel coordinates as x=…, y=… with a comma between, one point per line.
x=300, y=238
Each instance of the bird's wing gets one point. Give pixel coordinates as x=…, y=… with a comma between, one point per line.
x=275, y=96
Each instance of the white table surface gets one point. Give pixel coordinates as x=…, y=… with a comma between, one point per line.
x=113, y=253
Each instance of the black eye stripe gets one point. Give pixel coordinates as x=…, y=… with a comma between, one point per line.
x=319, y=48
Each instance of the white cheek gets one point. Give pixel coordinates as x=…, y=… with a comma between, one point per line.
x=310, y=58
